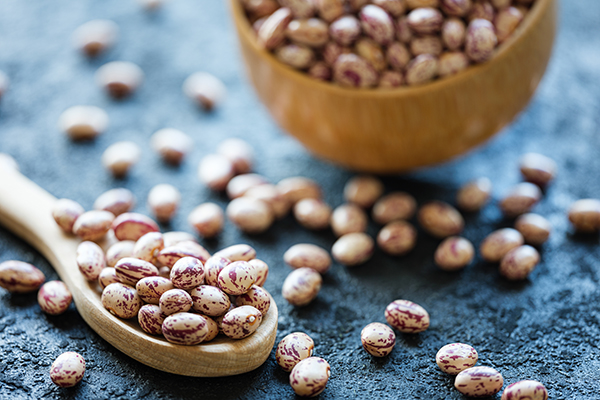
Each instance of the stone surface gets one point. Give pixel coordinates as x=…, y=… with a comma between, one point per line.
x=544, y=328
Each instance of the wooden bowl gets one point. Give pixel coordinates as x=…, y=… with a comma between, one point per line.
x=396, y=130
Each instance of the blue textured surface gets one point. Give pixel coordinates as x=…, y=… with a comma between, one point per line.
x=546, y=328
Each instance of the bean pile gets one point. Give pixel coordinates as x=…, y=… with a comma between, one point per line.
x=383, y=43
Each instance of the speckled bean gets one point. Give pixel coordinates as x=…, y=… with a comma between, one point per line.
x=204, y=89
x=256, y=297
x=309, y=377
x=207, y=219
x=210, y=300
x=403, y=32
x=351, y=70
x=65, y=212
x=213, y=328
x=391, y=79
x=474, y=195
x=320, y=70
x=372, y=53
x=185, y=328
x=452, y=63
x=54, y=297
x=239, y=152
x=456, y=357
x=296, y=56
x=458, y=8
x=422, y=69
x=377, y=24
x=279, y=204
x=353, y=249
x=20, y=277
x=130, y=270
x=394, y=206
x=301, y=286
x=525, y=390
x=297, y=188
x=519, y=262
x=425, y=20
x=241, y=322
x=118, y=251
x=454, y=253
x=163, y=200
x=68, y=369
x=132, y=226
x=534, y=228
x=237, y=278
x=479, y=382
x=397, y=238
x=495, y=246
x=329, y=10
x=116, y=201
x=90, y=260
x=482, y=9
x=169, y=255
x=250, y=215
x=537, y=168
x=272, y=32
x=520, y=199
x=120, y=157
x=406, y=316
x=172, y=145
x=292, y=349
x=397, y=56
x=299, y=8
x=453, y=33
x=148, y=246
x=107, y=276
x=363, y=190
x=213, y=267
x=261, y=271
x=313, y=32
x=584, y=214
x=175, y=301
x=378, y=339
x=506, y=22
x=440, y=219
x=395, y=8
x=151, y=288
x=239, y=185
x=151, y=319
x=93, y=225
x=348, y=218
x=345, y=30
x=312, y=214
x=215, y=171
x=427, y=44
x=187, y=273
x=308, y=255
x=122, y=300
x=480, y=40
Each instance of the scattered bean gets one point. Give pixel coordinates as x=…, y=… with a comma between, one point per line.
x=298, y=188
x=261, y=270
x=175, y=301
x=397, y=238
x=301, y=286
x=495, y=246
x=215, y=171
x=394, y=206
x=107, y=276
x=54, y=297
x=83, y=122
x=119, y=78
x=95, y=37
x=205, y=89
x=268, y=193
x=525, y=390
x=363, y=190
x=520, y=199
x=474, y=195
x=116, y=201
x=151, y=319
x=118, y=251
x=518, y=263
x=151, y=288
x=256, y=297
x=132, y=226
x=210, y=300
x=163, y=200
x=308, y=255
x=122, y=300
x=534, y=228
x=187, y=273
x=292, y=349
x=585, y=215
x=537, y=168
x=148, y=246
x=239, y=185
x=119, y=157
x=241, y=322
x=169, y=255
x=93, y=225
x=479, y=382
x=237, y=278
x=353, y=249
x=185, y=328
x=250, y=215
x=456, y=357
x=406, y=316
x=378, y=339
x=309, y=377
x=65, y=212
x=312, y=213
x=239, y=153
x=90, y=260
x=172, y=145
x=348, y=218
x=454, y=253
x=440, y=219
x=68, y=369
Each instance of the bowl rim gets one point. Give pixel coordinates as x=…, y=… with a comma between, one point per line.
x=531, y=19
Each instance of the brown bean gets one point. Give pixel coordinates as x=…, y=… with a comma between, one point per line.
x=537, y=168
x=585, y=215
x=474, y=195
x=454, y=253
x=534, y=228
x=308, y=255
x=520, y=199
x=440, y=219
x=348, y=218
x=495, y=246
x=298, y=187
x=397, y=238
x=239, y=185
x=518, y=263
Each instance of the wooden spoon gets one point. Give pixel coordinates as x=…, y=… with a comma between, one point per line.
x=25, y=209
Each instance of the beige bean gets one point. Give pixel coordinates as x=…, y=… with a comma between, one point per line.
x=395, y=8
x=261, y=271
x=406, y=316
x=363, y=190
x=422, y=69
x=482, y=9
x=260, y=8
x=239, y=185
x=353, y=249
x=207, y=219
x=519, y=262
x=351, y=70
x=397, y=238
x=151, y=319
x=122, y=300
x=506, y=21
x=398, y=56
x=213, y=328
x=95, y=37
x=187, y=273
x=148, y=246
x=390, y=79
x=250, y=215
x=185, y=328
x=292, y=349
x=237, y=252
x=241, y=322
x=215, y=171
x=119, y=78
x=403, y=32
x=454, y=358
x=301, y=286
x=329, y=10
x=237, y=278
x=299, y=8
x=296, y=56
x=394, y=206
x=298, y=188
x=151, y=288
x=479, y=382
x=107, y=276
x=270, y=194
x=495, y=246
x=65, y=212
x=132, y=226
x=378, y=339
x=584, y=214
x=427, y=44
x=348, y=218
x=309, y=377
x=320, y=70
x=175, y=237
x=452, y=63
x=239, y=152
x=119, y=157
x=377, y=24
x=172, y=145
x=425, y=20
x=474, y=195
x=163, y=200
x=175, y=301
x=256, y=297
x=454, y=253
x=440, y=219
x=169, y=255
x=312, y=32
x=205, y=89
x=272, y=32
x=308, y=255
x=90, y=260
x=119, y=250
x=83, y=122
x=210, y=300
x=520, y=199
x=356, y=5
x=332, y=51
x=130, y=270
x=412, y=4
x=457, y=8
x=480, y=40
x=537, y=168
x=345, y=30
x=116, y=201
x=372, y=53
x=534, y=228
x=68, y=369
x=20, y=277
x=525, y=390
x=93, y=225
x=453, y=33
x=312, y=213
x=500, y=4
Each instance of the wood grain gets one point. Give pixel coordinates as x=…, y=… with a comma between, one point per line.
x=25, y=209
x=396, y=130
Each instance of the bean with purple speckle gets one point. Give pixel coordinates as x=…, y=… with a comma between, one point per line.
x=241, y=322
x=292, y=349
x=456, y=357
x=378, y=339
x=406, y=316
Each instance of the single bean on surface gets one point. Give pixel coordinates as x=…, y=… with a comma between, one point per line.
x=215, y=171
x=397, y=238
x=297, y=188
x=406, y=316
x=83, y=122
x=440, y=219
x=95, y=37
x=239, y=152
x=537, y=168
x=474, y=195
x=250, y=215
x=301, y=286
x=310, y=376
x=308, y=255
x=68, y=369
x=205, y=89
x=454, y=358
x=584, y=215
x=20, y=277
x=363, y=190
x=495, y=246
x=348, y=218
x=519, y=262
x=292, y=349
x=353, y=249
x=520, y=199
x=54, y=297
x=479, y=382
x=163, y=200
x=525, y=390
x=241, y=322
x=312, y=213
x=378, y=339
x=454, y=253
x=119, y=79
x=394, y=206
x=534, y=228
x=185, y=328
x=172, y=145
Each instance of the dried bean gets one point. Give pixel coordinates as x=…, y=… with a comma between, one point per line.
x=172, y=145
x=348, y=218
x=118, y=251
x=391, y=79
x=353, y=249
x=237, y=252
x=320, y=71
x=329, y=10
x=68, y=369
x=187, y=273
x=210, y=300
x=474, y=195
x=457, y=8
x=479, y=382
x=440, y=219
x=169, y=255
x=312, y=213
x=148, y=246
x=256, y=297
x=395, y=8
x=422, y=69
x=525, y=390
x=312, y=32
x=298, y=188
x=345, y=30
x=454, y=32
x=518, y=263
x=456, y=357
x=292, y=349
x=151, y=319
x=403, y=32
x=250, y=215
x=520, y=199
x=90, y=260
x=268, y=193
x=241, y=322
x=208, y=219
x=372, y=53
x=272, y=32
x=107, y=276
x=377, y=24
x=216, y=171
x=299, y=8
x=398, y=56
x=534, y=228
x=119, y=157
x=428, y=44
x=537, y=168
x=378, y=339
x=65, y=212
x=239, y=185
x=308, y=255
x=93, y=225
x=152, y=287
x=506, y=22
x=119, y=78
x=394, y=206
x=122, y=300
x=480, y=40
x=406, y=316
x=173, y=238
x=363, y=190
x=164, y=200
x=495, y=246
x=54, y=297
x=261, y=270
x=204, y=89
x=452, y=63
x=130, y=270
x=116, y=201
x=397, y=238
x=95, y=37
x=454, y=253
x=260, y=8
x=83, y=122
x=237, y=278
x=352, y=70
x=175, y=301
x=296, y=56
x=239, y=152
x=213, y=329
x=185, y=328
x=301, y=286
x=482, y=9
x=309, y=377
x=132, y=226
x=425, y=20
x=412, y=4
